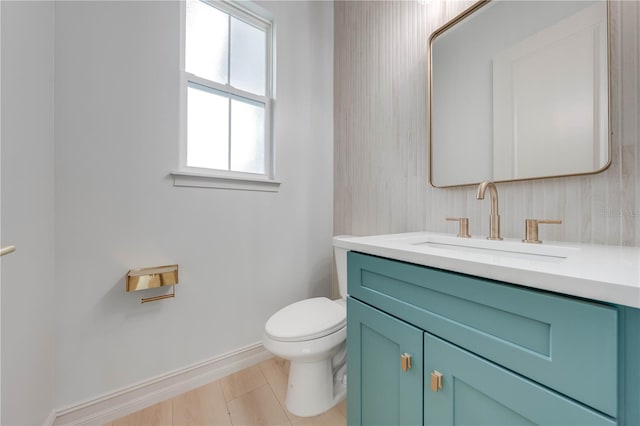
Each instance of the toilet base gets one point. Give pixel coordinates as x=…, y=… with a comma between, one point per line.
x=311, y=390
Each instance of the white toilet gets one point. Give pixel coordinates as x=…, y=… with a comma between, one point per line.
x=312, y=334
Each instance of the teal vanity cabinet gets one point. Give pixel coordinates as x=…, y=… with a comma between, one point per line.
x=481, y=352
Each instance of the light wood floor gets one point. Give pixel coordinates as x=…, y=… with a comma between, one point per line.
x=251, y=397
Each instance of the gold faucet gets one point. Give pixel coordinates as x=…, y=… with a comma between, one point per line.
x=494, y=218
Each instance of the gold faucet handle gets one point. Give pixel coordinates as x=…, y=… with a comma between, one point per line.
x=463, y=231
x=531, y=229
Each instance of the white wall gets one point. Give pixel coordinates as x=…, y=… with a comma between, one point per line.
x=242, y=254
x=28, y=287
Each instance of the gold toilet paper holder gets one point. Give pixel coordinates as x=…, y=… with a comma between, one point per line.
x=153, y=277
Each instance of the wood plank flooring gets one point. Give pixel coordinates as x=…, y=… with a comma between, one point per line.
x=251, y=397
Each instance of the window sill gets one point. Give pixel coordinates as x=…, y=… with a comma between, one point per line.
x=211, y=180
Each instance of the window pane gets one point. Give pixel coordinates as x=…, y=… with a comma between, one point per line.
x=248, y=57
x=207, y=130
x=207, y=42
x=247, y=137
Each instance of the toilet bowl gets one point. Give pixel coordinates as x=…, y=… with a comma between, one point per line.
x=312, y=335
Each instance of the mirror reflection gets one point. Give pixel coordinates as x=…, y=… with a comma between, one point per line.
x=519, y=90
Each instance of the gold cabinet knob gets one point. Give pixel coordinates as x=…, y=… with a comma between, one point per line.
x=531, y=229
x=405, y=361
x=463, y=230
x=436, y=380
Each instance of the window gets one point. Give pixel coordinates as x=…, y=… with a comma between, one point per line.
x=227, y=93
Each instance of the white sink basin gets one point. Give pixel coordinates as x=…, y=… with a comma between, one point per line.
x=502, y=248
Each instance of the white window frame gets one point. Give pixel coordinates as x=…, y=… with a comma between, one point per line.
x=228, y=179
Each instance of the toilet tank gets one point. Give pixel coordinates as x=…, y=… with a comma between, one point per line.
x=341, y=266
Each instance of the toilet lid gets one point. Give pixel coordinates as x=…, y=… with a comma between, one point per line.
x=306, y=320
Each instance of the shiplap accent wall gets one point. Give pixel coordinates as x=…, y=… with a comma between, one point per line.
x=381, y=164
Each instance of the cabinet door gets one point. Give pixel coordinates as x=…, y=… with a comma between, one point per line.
x=380, y=391
x=477, y=392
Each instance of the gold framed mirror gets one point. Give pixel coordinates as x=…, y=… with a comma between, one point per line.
x=519, y=90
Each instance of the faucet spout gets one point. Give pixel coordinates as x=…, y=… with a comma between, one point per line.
x=494, y=217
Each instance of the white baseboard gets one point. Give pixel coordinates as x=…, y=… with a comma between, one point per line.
x=51, y=418
x=141, y=395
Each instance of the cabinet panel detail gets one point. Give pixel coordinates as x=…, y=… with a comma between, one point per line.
x=380, y=392
x=527, y=333
x=536, y=334
x=629, y=373
x=478, y=392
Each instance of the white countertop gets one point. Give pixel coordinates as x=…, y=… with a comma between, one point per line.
x=597, y=272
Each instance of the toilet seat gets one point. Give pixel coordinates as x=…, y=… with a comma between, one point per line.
x=306, y=320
